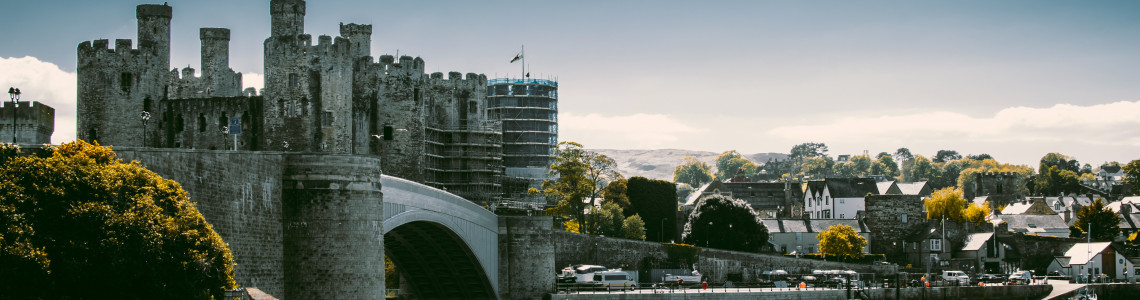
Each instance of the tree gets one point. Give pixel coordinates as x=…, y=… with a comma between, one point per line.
x=968, y=178
x=858, y=166
x=607, y=220
x=1104, y=222
x=656, y=202
x=945, y=156
x=75, y=221
x=976, y=213
x=1054, y=181
x=1132, y=175
x=906, y=160
x=982, y=156
x=817, y=167
x=581, y=175
x=725, y=223
x=1061, y=161
x=616, y=192
x=730, y=162
x=693, y=172
x=946, y=203
x=842, y=241
x=921, y=169
x=802, y=152
x=633, y=228
x=904, y=154
x=885, y=165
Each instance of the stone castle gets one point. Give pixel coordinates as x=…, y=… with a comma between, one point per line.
x=330, y=97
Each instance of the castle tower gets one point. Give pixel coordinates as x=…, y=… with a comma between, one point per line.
x=154, y=30
x=528, y=109
x=288, y=17
x=361, y=37
x=218, y=78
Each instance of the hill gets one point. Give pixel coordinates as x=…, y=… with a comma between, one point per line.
x=660, y=163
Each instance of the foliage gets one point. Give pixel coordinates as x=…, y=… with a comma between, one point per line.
x=945, y=156
x=976, y=213
x=1105, y=223
x=885, y=165
x=906, y=161
x=681, y=255
x=946, y=203
x=79, y=222
x=921, y=169
x=982, y=156
x=633, y=228
x=572, y=225
x=725, y=223
x=799, y=154
x=693, y=172
x=1132, y=175
x=730, y=162
x=655, y=201
x=817, y=167
x=616, y=192
x=391, y=274
x=858, y=166
x=1054, y=181
x=967, y=177
x=841, y=240
x=607, y=220
x=1061, y=161
x=581, y=175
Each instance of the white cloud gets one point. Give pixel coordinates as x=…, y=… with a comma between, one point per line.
x=255, y=80
x=45, y=83
x=629, y=131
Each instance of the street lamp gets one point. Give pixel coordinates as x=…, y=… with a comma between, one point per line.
x=14, y=94
x=661, y=233
x=145, y=117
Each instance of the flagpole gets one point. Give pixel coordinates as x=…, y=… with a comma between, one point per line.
x=523, y=54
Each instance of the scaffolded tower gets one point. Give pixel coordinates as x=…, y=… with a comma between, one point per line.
x=528, y=109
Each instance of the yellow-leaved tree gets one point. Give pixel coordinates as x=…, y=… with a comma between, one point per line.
x=842, y=241
x=946, y=203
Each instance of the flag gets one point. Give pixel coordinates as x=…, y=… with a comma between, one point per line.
x=527, y=74
x=517, y=57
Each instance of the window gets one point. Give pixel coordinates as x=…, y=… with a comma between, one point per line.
x=292, y=80
x=327, y=119
x=799, y=236
x=201, y=123
x=904, y=218
x=125, y=81
x=842, y=200
x=841, y=216
x=826, y=199
x=388, y=132
x=935, y=245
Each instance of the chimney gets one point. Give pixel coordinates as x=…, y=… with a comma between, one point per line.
x=1068, y=215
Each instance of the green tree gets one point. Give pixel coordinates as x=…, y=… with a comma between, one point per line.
x=693, y=172
x=616, y=192
x=841, y=241
x=1132, y=175
x=725, y=223
x=1104, y=222
x=945, y=156
x=906, y=161
x=730, y=162
x=581, y=175
x=921, y=169
x=982, y=156
x=946, y=203
x=75, y=222
x=656, y=202
x=976, y=213
x=817, y=167
x=1061, y=161
x=801, y=153
x=885, y=165
x=607, y=220
x=1054, y=181
x=633, y=228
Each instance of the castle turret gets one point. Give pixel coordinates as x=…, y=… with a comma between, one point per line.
x=361, y=37
x=217, y=76
x=154, y=30
x=288, y=17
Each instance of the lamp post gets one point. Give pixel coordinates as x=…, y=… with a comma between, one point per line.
x=14, y=94
x=145, y=117
x=661, y=233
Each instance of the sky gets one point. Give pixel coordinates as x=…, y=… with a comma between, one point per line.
x=1013, y=79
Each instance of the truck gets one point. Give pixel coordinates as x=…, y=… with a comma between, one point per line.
x=956, y=277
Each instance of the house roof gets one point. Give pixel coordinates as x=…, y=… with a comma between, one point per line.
x=823, y=224
x=1031, y=222
x=1081, y=253
x=914, y=188
x=816, y=225
x=1016, y=208
x=815, y=188
x=924, y=235
x=1063, y=260
x=851, y=187
x=981, y=200
x=888, y=188
x=975, y=241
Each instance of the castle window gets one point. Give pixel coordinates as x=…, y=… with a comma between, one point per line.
x=125, y=82
x=472, y=107
x=146, y=104
x=387, y=132
x=327, y=119
x=178, y=123
x=292, y=80
x=904, y=218
x=201, y=123
x=92, y=135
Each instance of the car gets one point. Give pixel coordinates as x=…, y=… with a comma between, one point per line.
x=1020, y=277
x=990, y=278
x=614, y=280
x=956, y=277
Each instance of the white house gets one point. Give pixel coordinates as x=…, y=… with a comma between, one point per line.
x=838, y=198
x=1092, y=258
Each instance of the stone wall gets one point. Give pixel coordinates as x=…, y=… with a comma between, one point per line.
x=1010, y=292
x=239, y=194
x=526, y=254
x=885, y=221
x=572, y=249
x=35, y=122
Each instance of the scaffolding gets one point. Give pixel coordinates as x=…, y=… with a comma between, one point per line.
x=528, y=109
x=466, y=160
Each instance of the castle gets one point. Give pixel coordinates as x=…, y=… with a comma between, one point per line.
x=330, y=97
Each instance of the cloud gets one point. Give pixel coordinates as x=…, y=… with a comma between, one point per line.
x=1112, y=124
x=643, y=131
x=255, y=80
x=45, y=83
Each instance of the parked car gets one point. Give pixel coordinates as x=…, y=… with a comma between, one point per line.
x=1020, y=277
x=990, y=278
x=956, y=277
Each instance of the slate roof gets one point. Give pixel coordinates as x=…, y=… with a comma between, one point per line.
x=817, y=225
x=851, y=187
x=914, y=188
x=1081, y=253
x=1038, y=221
x=822, y=224
x=1063, y=260
x=924, y=235
x=975, y=241
x=981, y=200
x=1016, y=208
x=814, y=188
x=888, y=188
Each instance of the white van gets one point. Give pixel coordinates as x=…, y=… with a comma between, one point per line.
x=614, y=280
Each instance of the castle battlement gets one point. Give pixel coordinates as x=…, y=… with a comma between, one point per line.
x=214, y=34
x=154, y=10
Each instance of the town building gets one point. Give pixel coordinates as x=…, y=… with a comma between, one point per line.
x=1048, y=225
x=837, y=198
x=1084, y=259
x=791, y=236
x=982, y=252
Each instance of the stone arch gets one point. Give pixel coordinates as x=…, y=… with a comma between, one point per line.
x=436, y=262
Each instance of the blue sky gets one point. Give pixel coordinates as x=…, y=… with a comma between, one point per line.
x=1015, y=79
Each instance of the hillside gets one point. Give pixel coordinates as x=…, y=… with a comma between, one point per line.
x=660, y=163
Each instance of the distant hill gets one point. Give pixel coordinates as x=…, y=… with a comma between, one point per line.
x=660, y=163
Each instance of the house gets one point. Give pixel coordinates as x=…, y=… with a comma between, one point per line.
x=768, y=199
x=1031, y=206
x=837, y=198
x=984, y=252
x=1083, y=259
x=888, y=188
x=1050, y=225
x=927, y=249
x=800, y=235
x=921, y=188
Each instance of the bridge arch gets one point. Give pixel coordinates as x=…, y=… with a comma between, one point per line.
x=446, y=246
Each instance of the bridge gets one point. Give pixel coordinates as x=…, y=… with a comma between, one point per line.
x=446, y=246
